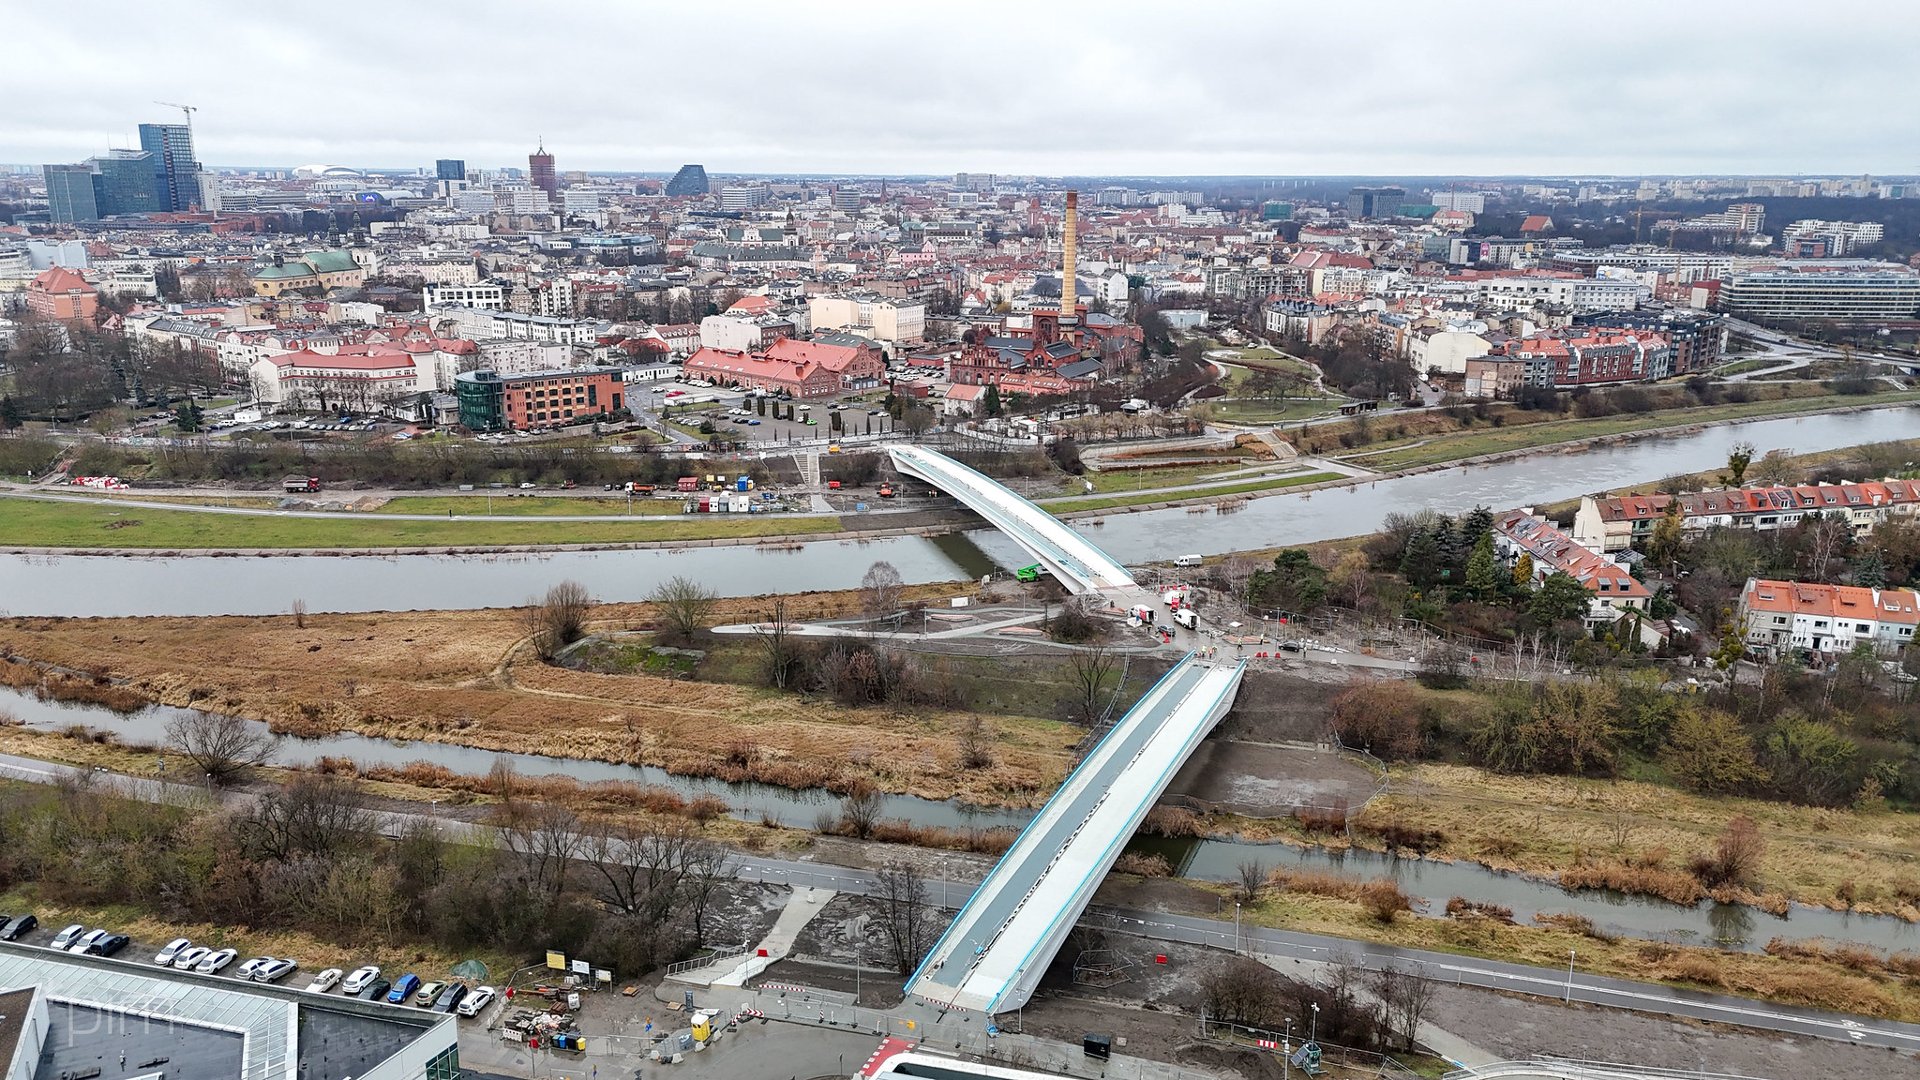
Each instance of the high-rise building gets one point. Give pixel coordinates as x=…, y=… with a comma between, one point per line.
x=1384, y=202
x=70, y=195
x=690, y=180
x=126, y=182
x=540, y=171
x=449, y=169
x=177, y=173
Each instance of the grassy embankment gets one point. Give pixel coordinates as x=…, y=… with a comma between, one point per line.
x=1441, y=447
x=463, y=677
x=1635, y=833
x=35, y=523
x=1853, y=981
x=1105, y=502
x=507, y=504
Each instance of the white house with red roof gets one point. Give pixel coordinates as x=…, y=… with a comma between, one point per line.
x=358, y=377
x=1616, y=522
x=1615, y=591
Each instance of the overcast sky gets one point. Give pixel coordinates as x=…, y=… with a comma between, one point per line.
x=1174, y=87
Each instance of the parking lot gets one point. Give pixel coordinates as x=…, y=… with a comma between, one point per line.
x=726, y=405
x=465, y=998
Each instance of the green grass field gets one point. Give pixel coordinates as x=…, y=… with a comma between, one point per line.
x=33, y=523
x=1098, y=502
x=510, y=504
x=1263, y=412
x=1453, y=447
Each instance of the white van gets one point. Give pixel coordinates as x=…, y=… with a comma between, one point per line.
x=1189, y=560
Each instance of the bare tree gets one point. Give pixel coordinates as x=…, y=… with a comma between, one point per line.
x=639, y=869
x=1403, y=1003
x=1088, y=672
x=225, y=748
x=683, y=606
x=779, y=656
x=546, y=840
x=880, y=591
x=860, y=809
x=1253, y=876
x=906, y=918
x=310, y=815
x=976, y=744
x=300, y=614
x=557, y=619
x=706, y=864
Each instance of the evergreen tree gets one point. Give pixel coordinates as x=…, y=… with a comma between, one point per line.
x=1421, y=563
x=1483, y=569
x=1477, y=523
x=1449, y=554
x=992, y=400
x=1869, y=571
x=10, y=415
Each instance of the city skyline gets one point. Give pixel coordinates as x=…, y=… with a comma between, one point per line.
x=1492, y=88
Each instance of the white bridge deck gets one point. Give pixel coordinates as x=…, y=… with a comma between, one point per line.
x=1077, y=563
x=992, y=957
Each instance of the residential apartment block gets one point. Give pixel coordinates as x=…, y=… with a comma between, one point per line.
x=1782, y=615
x=1617, y=522
x=1615, y=590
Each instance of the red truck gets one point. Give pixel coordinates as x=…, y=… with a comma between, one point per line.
x=300, y=484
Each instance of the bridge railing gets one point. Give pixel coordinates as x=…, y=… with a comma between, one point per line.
x=1579, y=1069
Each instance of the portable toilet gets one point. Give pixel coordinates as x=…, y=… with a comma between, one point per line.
x=743, y=484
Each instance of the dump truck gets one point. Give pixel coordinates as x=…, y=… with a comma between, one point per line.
x=300, y=484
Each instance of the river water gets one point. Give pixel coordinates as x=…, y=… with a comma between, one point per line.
x=269, y=584
x=1725, y=925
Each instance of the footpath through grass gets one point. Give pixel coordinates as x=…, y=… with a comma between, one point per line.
x=1437, y=449
x=35, y=523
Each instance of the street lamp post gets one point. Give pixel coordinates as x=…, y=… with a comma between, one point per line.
x=1236, y=927
x=1286, y=1052
x=1569, y=976
x=1313, y=1030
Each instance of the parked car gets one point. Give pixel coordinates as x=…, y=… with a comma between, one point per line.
x=187, y=958
x=68, y=936
x=17, y=926
x=325, y=981
x=358, y=979
x=213, y=962
x=478, y=999
x=246, y=970
x=274, y=970
x=428, y=991
x=172, y=952
x=109, y=945
x=86, y=942
x=375, y=990
x=445, y=1001
x=404, y=988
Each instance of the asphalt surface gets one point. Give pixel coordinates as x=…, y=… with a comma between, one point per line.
x=1446, y=967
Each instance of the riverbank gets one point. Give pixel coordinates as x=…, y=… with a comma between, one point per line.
x=100, y=534
x=466, y=678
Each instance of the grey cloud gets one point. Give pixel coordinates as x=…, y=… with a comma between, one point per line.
x=1122, y=86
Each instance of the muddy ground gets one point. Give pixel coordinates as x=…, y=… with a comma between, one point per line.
x=1257, y=779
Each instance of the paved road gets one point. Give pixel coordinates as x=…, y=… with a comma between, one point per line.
x=1464, y=971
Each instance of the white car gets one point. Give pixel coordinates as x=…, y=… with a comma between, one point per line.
x=477, y=999
x=68, y=936
x=190, y=956
x=86, y=944
x=172, y=952
x=325, y=981
x=273, y=971
x=214, y=961
x=359, y=979
x=246, y=970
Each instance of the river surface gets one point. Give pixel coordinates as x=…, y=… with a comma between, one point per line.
x=1724, y=925
x=269, y=584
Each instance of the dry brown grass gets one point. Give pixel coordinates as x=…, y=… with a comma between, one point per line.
x=1459, y=907
x=1865, y=860
x=1671, y=885
x=460, y=677
x=1141, y=865
x=1173, y=821
x=1379, y=897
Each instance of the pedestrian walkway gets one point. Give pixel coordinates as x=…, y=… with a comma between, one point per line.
x=735, y=969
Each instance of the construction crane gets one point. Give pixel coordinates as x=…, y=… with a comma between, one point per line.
x=186, y=110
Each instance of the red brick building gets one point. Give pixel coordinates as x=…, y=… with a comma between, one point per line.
x=61, y=295
x=559, y=397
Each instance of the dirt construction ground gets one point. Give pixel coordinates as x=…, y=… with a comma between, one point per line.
x=1258, y=779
